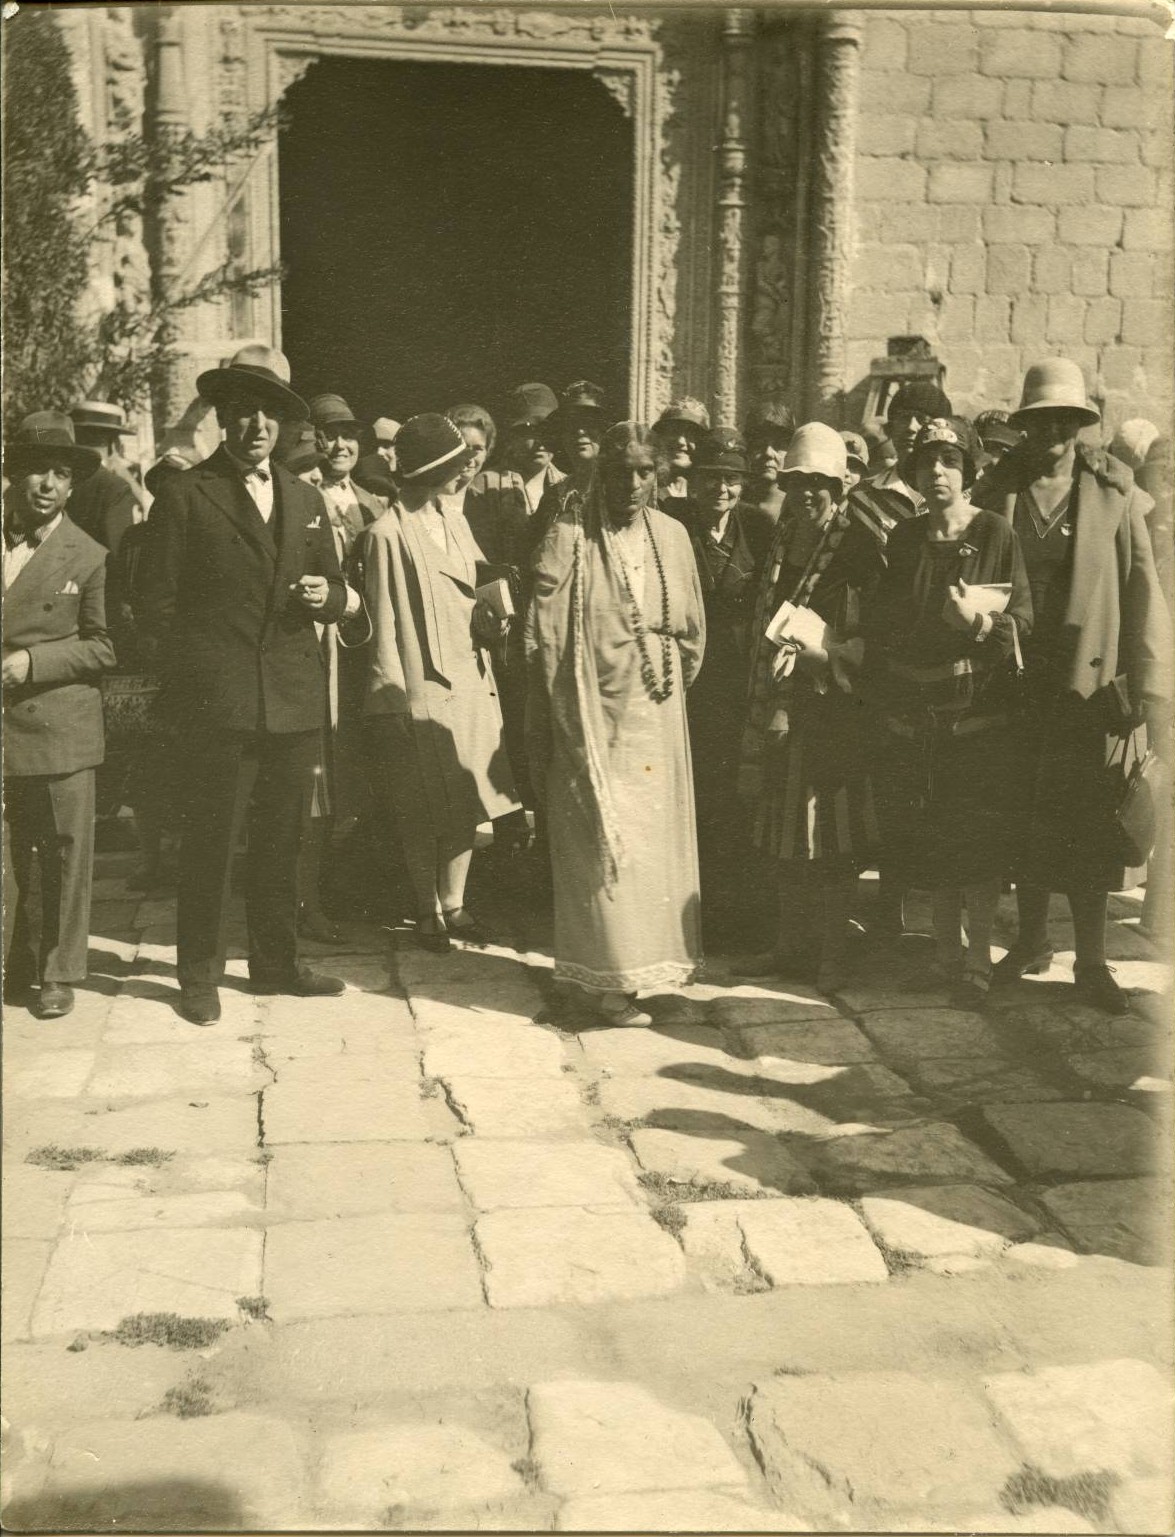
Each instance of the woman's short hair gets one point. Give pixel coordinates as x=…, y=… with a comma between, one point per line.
x=475, y=416
x=625, y=435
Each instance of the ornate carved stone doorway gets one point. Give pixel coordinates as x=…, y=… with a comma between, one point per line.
x=452, y=229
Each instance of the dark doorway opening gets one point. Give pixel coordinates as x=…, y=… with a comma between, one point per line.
x=450, y=231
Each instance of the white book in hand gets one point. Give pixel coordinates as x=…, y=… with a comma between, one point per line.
x=794, y=625
x=496, y=596
x=988, y=597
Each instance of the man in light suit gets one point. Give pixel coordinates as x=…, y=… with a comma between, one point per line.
x=240, y=563
x=55, y=649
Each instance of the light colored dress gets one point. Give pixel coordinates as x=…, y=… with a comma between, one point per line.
x=428, y=678
x=614, y=760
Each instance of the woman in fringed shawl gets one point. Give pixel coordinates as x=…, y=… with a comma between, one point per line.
x=805, y=759
x=615, y=635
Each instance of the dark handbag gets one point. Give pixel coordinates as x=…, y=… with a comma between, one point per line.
x=129, y=709
x=1142, y=792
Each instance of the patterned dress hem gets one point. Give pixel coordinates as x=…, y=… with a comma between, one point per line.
x=662, y=974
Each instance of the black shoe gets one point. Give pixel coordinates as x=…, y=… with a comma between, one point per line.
x=200, y=1004
x=462, y=925
x=1022, y=963
x=1096, y=986
x=55, y=1001
x=302, y=983
x=430, y=934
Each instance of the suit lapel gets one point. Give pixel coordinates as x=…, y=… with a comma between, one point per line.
x=44, y=568
x=222, y=483
x=289, y=516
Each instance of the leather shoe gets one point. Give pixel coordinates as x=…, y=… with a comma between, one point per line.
x=303, y=983
x=56, y=1000
x=1095, y=985
x=200, y=1005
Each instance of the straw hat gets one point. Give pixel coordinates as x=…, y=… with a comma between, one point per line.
x=1056, y=384
x=101, y=417
x=259, y=370
x=384, y=429
x=817, y=450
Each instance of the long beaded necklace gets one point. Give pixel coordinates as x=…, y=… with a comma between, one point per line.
x=657, y=692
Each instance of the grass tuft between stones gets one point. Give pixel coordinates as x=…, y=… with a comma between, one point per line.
x=671, y=1218
x=256, y=1308
x=528, y=1471
x=1086, y=1494
x=67, y=1159
x=673, y=1190
x=169, y=1329
x=188, y=1401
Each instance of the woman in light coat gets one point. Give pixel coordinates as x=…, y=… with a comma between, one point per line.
x=435, y=727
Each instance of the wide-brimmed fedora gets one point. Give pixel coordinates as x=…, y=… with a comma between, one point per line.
x=328, y=411
x=687, y=411
x=100, y=416
x=260, y=370
x=529, y=405
x=857, y=452
x=428, y=445
x=48, y=435
x=722, y=449
x=1055, y=384
x=817, y=449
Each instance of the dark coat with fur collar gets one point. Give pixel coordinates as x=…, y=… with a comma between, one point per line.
x=1116, y=621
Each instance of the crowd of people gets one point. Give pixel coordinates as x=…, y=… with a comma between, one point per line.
x=700, y=678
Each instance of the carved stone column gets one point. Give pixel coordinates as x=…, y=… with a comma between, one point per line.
x=838, y=67
x=171, y=220
x=738, y=33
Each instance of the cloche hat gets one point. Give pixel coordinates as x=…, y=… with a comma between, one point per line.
x=429, y=442
x=950, y=432
x=722, y=449
x=263, y=370
x=327, y=411
x=1055, y=384
x=48, y=434
x=918, y=397
x=688, y=410
x=995, y=427
x=817, y=450
x=384, y=429
x=100, y=416
x=583, y=398
x=529, y=405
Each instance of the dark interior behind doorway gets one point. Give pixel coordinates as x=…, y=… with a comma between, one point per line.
x=452, y=230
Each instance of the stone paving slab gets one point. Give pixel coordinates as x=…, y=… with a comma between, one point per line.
x=117, y=1210
x=677, y=1105
x=945, y=1221
x=45, y=1386
x=1124, y=1067
x=50, y=1075
x=960, y=1081
x=1128, y=1219
x=870, y=1446
x=592, y=1438
x=358, y=1179
x=376, y=1264
x=551, y=1256
x=636, y=1053
x=226, y=1472
x=786, y=1242
x=499, y=1174
x=25, y=1263
x=831, y=1042
x=192, y=1068
x=932, y=1153
x=753, y=1162
x=520, y=1107
x=96, y=1279
x=33, y=1200
x=1076, y=1140
x=189, y=1125
x=913, y=1036
x=407, y=1468
x=1065, y=1027
x=344, y=1099
x=784, y=1009
x=673, y=1510
x=1146, y=1505
x=476, y=1050
x=1100, y=1416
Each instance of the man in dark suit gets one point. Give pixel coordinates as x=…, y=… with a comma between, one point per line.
x=240, y=564
x=55, y=649
x=376, y=470
x=104, y=504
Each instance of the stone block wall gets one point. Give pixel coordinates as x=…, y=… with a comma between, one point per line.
x=1014, y=199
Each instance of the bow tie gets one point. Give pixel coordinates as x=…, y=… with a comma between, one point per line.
x=257, y=473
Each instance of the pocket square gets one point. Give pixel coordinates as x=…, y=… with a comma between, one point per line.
x=70, y=590
x=314, y=523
